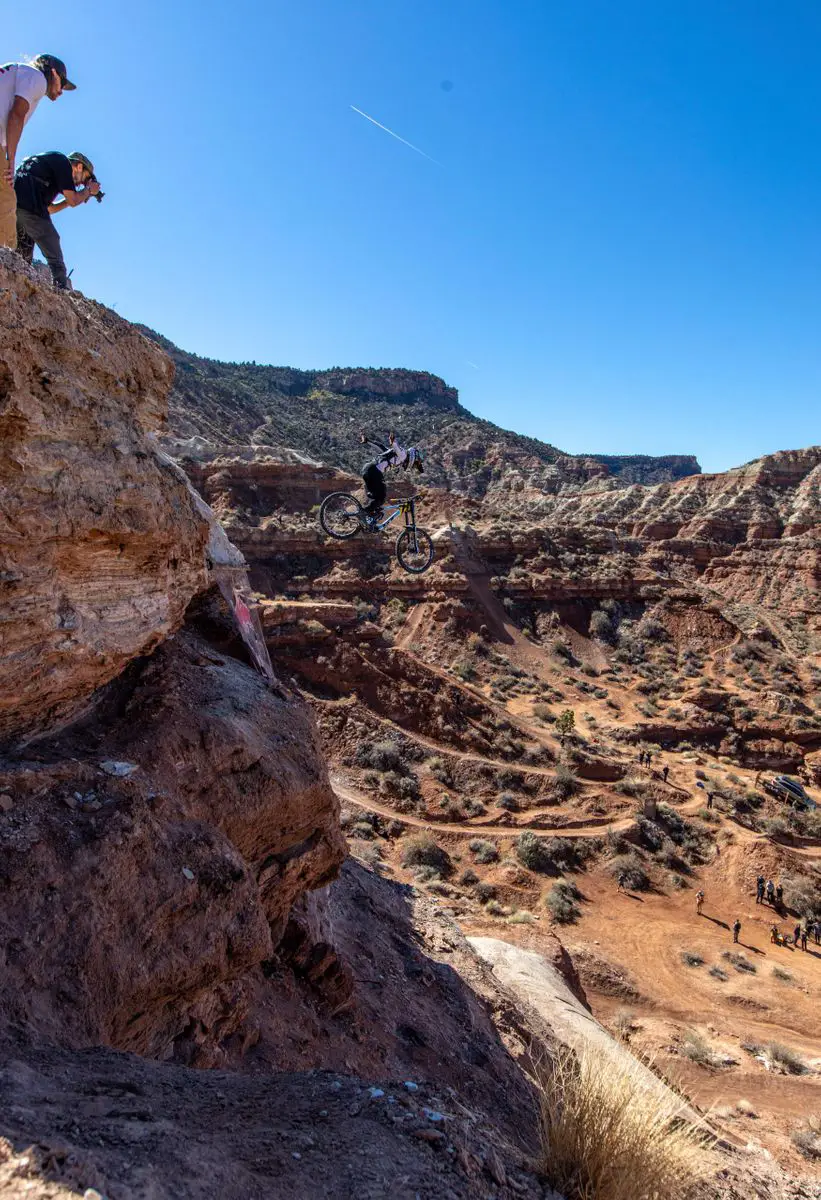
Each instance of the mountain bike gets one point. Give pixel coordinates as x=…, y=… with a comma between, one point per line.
x=342, y=516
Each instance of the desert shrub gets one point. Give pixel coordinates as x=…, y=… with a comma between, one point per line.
x=484, y=892
x=632, y=787
x=782, y=975
x=494, y=908
x=550, y=855
x=567, y=783
x=424, y=851
x=802, y=894
x=543, y=712
x=381, y=756
x=807, y=1143
x=807, y=1138
x=776, y=827
x=465, y=669
x=441, y=769
x=651, y=629
x=474, y=808
x=608, y=1135
x=508, y=802
x=408, y=787
x=740, y=962
x=534, y=852
x=691, y=959
x=624, y=1023
x=601, y=627
x=562, y=901
x=717, y=973
x=562, y=649
x=468, y=877
x=786, y=1058
x=484, y=851
x=521, y=917
x=367, y=852
x=696, y=1049
x=629, y=870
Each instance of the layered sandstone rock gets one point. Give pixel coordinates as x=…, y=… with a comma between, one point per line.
x=101, y=547
x=151, y=850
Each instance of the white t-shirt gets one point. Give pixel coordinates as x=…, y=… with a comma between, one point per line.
x=16, y=79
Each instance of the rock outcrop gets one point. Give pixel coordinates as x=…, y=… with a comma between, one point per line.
x=101, y=548
x=173, y=806
x=151, y=856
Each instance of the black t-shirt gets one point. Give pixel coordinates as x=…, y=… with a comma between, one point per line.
x=39, y=179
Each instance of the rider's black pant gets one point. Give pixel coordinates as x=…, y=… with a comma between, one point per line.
x=375, y=487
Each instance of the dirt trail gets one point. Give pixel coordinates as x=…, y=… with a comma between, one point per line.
x=411, y=626
x=593, y=827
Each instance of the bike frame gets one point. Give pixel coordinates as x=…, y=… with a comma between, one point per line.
x=408, y=507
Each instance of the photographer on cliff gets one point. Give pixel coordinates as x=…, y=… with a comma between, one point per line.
x=38, y=182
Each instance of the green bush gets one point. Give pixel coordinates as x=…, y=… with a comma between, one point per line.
x=601, y=627
x=484, y=851
x=567, y=783
x=629, y=870
x=424, y=851
x=562, y=902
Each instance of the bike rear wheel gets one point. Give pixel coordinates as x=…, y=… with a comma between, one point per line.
x=341, y=515
x=414, y=549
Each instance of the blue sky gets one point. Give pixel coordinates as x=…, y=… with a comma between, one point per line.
x=617, y=249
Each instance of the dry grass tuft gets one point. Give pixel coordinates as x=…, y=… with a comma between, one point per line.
x=607, y=1134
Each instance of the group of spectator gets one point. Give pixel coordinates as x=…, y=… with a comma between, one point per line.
x=768, y=892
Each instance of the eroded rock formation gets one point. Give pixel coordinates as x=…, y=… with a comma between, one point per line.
x=101, y=548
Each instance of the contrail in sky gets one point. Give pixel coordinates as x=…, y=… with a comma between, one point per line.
x=379, y=125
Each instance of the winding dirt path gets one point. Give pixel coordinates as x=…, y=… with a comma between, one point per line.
x=594, y=827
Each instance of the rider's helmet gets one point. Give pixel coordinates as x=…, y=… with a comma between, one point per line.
x=416, y=458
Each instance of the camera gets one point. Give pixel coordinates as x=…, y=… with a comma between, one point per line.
x=99, y=196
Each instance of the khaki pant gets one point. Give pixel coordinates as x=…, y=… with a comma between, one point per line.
x=8, y=206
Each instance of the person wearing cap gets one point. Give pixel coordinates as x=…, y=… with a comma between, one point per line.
x=38, y=182
x=22, y=87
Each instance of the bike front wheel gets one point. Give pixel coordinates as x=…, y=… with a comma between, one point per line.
x=341, y=515
x=414, y=549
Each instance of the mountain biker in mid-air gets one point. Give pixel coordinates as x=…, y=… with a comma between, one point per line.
x=373, y=475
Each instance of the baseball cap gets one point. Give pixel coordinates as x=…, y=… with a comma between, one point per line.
x=76, y=156
x=49, y=62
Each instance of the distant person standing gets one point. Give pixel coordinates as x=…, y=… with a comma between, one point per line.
x=699, y=902
x=759, y=890
x=803, y=938
x=665, y=771
x=779, y=894
x=22, y=87
x=796, y=935
x=736, y=929
x=770, y=891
